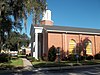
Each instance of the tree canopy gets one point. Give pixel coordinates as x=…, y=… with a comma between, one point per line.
x=12, y=13
x=17, y=38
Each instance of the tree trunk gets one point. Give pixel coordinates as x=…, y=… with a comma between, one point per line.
x=0, y=31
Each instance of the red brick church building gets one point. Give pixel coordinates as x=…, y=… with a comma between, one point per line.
x=69, y=39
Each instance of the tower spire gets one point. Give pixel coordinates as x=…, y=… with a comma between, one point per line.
x=46, y=6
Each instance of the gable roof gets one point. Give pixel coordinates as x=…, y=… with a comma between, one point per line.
x=70, y=29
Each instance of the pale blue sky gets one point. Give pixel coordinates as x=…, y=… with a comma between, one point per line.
x=74, y=13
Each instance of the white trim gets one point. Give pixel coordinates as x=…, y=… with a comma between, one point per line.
x=36, y=45
x=72, y=32
x=56, y=31
x=38, y=27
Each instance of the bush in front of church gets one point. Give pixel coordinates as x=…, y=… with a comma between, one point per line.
x=97, y=56
x=72, y=57
x=89, y=57
x=52, y=53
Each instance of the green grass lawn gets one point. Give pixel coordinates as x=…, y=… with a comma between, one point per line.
x=51, y=64
x=64, y=63
x=17, y=62
x=14, y=63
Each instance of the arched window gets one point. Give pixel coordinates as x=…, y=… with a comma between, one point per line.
x=88, y=47
x=72, y=46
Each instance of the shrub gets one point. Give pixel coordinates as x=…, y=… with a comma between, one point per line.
x=44, y=57
x=82, y=57
x=89, y=57
x=97, y=56
x=64, y=59
x=86, y=57
x=72, y=57
x=4, y=57
x=52, y=54
x=29, y=54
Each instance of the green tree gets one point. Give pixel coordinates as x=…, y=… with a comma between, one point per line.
x=24, y=40
x=14, y=38
x=36, y=7
x=10, y=17
x=18, y=39
x=12, y=13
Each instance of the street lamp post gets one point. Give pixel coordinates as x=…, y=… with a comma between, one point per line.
x=58, y=54
x=77, y=56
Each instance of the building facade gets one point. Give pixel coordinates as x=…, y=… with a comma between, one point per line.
x=71, y=40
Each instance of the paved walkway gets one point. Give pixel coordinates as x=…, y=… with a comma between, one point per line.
x=27, y=64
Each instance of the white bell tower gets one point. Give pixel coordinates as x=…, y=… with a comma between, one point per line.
x=46, y=19
x=47, y=15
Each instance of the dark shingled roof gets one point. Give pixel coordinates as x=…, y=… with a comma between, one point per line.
x=67, y=28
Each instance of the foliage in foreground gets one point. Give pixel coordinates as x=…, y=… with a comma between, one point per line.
x=13, y=12
x=4, y=57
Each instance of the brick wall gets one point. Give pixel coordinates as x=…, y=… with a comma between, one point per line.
x=97, y=44
x=62, y=40
x=55, y=39
x=46, y=22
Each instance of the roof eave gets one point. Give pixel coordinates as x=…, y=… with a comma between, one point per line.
x=77, y=32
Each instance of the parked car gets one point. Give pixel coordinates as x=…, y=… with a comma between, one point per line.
x=14, y=53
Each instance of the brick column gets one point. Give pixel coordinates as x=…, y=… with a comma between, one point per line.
x=95, y=44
